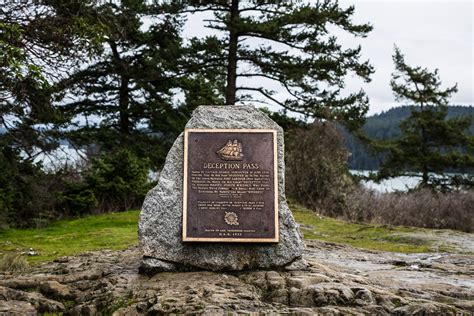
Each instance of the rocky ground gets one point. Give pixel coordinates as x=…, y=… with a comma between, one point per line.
x=340, y=280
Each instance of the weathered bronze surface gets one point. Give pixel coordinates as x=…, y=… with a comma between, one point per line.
x=230, y=186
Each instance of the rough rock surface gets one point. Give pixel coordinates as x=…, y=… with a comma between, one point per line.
x=340, y=280
x=161, y=216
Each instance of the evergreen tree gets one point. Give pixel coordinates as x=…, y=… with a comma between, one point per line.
x=38, y=43
x=386, y=125
x=429, y=143
x=287, y=44
x=125, y=97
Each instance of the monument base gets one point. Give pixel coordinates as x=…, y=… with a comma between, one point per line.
x=151, y=266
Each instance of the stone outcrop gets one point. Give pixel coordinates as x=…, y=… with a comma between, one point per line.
x=161, y=216
x=340, y=280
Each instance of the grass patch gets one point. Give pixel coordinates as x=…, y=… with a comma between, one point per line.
x=69, y=237
x=119, y=230
x=376, y=237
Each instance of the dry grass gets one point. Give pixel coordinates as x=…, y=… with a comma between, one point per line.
x=13, y=262
x=422, y=208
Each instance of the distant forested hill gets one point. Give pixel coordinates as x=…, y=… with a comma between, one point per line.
x=386, y=125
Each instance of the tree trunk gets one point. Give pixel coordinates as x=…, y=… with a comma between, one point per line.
x=424, y=177
x=424, y=149
x=124, y=97
x=124, y=119
x=232, y=57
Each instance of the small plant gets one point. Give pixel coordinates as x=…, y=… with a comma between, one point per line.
x=13, y=262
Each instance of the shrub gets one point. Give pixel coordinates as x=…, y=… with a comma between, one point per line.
x=29, y=196
x=118, y=181
x=23, y=190
x=316, y=168
x=421, y=208
x=76, y=199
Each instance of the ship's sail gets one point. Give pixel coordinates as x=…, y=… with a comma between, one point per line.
x=231, y=151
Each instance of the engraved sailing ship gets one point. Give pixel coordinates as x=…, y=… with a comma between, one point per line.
x=231, y=151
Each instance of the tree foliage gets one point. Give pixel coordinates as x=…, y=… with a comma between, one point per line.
x=288, y=44
x=119, y=181
x=429, y=143
x=41, y=45
x=124, y=97
x=38, y=43
x=19, y=184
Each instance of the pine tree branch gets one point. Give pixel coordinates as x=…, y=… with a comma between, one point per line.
x=268, y=96
x=257, y=35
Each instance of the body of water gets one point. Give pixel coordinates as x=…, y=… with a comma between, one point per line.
x=64, y=155
x=389, y=185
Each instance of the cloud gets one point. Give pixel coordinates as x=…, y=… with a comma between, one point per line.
x=432, y=34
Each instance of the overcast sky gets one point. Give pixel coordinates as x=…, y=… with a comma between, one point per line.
x=433, y=34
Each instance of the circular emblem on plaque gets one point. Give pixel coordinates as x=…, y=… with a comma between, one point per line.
x=231, y=218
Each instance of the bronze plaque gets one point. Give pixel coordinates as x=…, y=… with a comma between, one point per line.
x=230, y=185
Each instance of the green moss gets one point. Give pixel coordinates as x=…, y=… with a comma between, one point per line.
x=70, y=237
x=376, y=237
x=397, y=302
x=448, y=248
x=121, y=303
x=68, y=304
